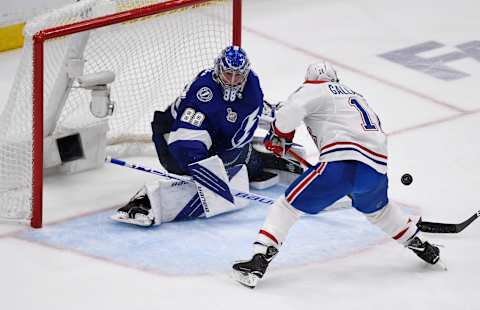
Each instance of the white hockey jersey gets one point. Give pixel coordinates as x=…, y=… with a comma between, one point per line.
x=339, y=121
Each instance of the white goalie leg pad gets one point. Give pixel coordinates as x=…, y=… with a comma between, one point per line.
x=177, y=200
x=395, y=223
x=238, y=176
x=281, y=217
x=213, y=186
x=169, y=198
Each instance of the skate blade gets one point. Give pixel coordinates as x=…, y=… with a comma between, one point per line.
x=143, y=221
x=438, y=266
x=441, y=264
x=245, y=278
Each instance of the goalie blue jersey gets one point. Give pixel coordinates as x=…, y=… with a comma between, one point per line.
x=205, y=124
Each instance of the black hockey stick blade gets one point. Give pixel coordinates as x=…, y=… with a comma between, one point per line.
x=272, y=162
x=443, y=228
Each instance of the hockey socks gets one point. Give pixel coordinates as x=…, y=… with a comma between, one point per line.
x=280, y=218
x=404, y=230
x=394, y=223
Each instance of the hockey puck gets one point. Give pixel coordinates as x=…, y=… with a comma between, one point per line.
x=407, y=179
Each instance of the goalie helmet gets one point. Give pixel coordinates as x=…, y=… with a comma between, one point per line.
x=231, y=71
x=321, y=71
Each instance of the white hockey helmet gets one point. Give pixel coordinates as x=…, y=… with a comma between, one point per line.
x=321, y=71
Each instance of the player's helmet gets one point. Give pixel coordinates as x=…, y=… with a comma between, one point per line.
x=321, y=71
x=231, y=71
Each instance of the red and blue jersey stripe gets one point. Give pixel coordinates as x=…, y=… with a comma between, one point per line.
x=375, y=157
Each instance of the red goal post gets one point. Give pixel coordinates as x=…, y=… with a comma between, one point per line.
x=41, y=37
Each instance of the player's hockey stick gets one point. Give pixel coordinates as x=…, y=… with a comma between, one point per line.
x=443, y=228
x=428, y=227
x=299, y=158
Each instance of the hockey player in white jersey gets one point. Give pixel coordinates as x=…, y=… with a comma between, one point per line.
x=353, y=162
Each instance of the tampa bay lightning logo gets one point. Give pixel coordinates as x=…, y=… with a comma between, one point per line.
x=204, y=94
x=245, y=133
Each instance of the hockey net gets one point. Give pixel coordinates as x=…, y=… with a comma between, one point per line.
x=153, y=47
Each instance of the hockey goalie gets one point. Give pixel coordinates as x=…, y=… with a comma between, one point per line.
x=207, y=134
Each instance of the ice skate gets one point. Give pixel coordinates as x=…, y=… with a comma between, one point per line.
x=427, y=252
x=250, y=271
x=137, y=211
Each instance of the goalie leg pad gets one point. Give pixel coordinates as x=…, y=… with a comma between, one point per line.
x=213, y=186
x=238, y=179
x=173, y=200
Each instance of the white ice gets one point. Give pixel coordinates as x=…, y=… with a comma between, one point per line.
x=432, y=126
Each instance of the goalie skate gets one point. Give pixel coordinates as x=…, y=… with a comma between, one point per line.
x=137, y=211
x=264, y=180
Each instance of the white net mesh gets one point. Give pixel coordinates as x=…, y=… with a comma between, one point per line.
x=152, y=58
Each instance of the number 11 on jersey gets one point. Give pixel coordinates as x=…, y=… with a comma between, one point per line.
x=367, y=123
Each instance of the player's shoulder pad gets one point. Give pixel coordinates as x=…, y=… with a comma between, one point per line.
x=203, y=88
x=303, y=94
x=252, y=88
x=253, y=78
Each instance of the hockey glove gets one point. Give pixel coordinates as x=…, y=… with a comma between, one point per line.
x=268, y=114
x=278, y=142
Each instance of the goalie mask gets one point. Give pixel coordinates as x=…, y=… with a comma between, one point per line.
x=321, y=71
x=231, y=71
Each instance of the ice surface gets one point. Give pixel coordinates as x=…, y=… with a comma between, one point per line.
x=81, y=260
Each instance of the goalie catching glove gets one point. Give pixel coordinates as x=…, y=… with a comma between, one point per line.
x=278, y=142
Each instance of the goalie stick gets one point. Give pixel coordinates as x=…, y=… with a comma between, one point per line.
x=239, y=194
x=248, y=196
x=428, y=227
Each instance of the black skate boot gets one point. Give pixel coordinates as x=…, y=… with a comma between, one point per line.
x=426, y=251
x=249, y=272
x=137, y=211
